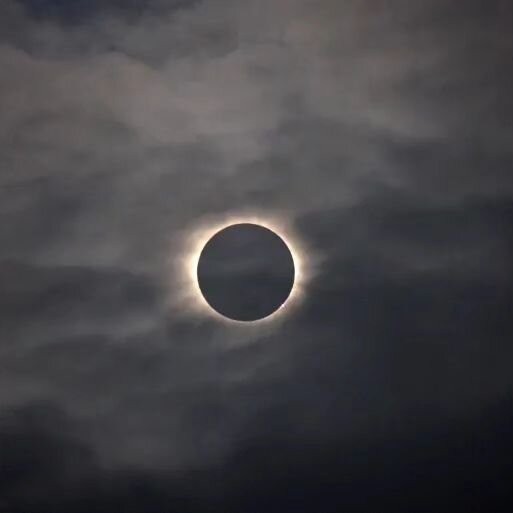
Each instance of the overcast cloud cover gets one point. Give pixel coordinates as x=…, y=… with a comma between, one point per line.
x=381, y=130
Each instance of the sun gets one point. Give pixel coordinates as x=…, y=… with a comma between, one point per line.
x=195, y=240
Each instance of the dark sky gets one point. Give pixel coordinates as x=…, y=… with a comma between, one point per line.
x=381, y=130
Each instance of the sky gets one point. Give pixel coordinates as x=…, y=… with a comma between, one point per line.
x=380, y=132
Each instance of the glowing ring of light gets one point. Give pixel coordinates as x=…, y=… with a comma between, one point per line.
x=196, y=241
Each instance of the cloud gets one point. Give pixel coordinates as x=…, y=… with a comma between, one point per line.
x=274, y=474
x=380, y=130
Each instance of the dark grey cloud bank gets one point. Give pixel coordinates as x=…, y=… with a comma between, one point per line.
x=382, y=130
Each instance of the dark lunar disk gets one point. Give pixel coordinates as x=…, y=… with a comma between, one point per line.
x=246, y=272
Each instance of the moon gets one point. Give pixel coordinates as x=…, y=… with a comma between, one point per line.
x=246, y=272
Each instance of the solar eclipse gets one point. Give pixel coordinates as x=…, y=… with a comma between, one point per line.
x=244, y=269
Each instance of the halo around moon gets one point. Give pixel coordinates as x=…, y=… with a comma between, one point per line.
x=190, y=292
